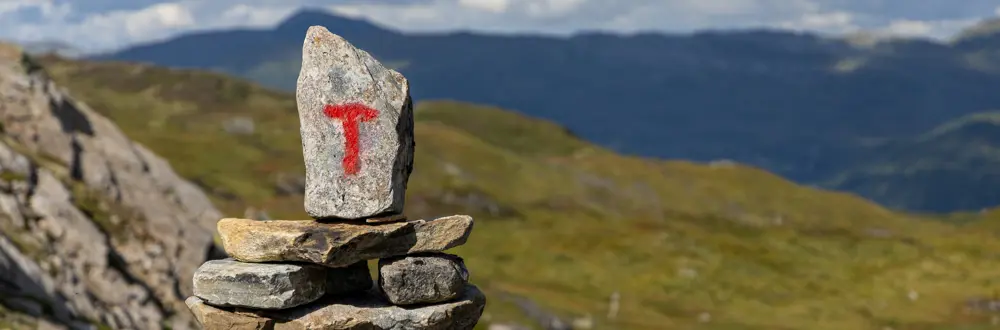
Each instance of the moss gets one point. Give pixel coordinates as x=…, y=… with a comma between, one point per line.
x=114, y=219
x=11, y=176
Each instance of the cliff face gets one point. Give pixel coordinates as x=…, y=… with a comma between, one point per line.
x=95, y=230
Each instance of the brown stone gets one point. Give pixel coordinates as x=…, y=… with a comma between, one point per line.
x=366, y=311
x=338, y=244
x=212, y=318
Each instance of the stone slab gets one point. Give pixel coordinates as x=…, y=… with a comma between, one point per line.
x=338, y=244
x=228, y=282
x=369, y=311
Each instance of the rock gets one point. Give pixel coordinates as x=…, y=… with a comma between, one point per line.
x=338, y=244
x=356, y=121
x=368, y=311
x=347, y=280
x=212, y=318
x=422, y=279
x=267, y=286
x=89, y=206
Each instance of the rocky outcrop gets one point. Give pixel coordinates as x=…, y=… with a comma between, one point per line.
x=95, y=230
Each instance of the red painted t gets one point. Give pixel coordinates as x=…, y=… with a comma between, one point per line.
x=350, y=116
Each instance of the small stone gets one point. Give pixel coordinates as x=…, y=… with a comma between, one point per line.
x=347, y=280
x=212, y=318
x=338, y=244
x=228, y=282
x=422, y=279
x=356, y=120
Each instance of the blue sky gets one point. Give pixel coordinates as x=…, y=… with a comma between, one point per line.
x=96, y=25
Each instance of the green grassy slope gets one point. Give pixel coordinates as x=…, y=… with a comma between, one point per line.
x=954, y=166
x=566, y=224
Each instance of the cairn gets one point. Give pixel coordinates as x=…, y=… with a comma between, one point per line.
x=357, y=139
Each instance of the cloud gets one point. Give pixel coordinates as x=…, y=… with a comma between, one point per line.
x=103, y=24
x=493, y=6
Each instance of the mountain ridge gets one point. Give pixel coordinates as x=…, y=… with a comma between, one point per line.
x=798, y=104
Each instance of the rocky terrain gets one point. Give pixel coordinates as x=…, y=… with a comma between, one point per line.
x=96, y=231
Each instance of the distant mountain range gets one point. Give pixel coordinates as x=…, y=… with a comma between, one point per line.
x=824, y=111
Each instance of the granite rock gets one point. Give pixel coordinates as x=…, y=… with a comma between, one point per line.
x=356, y=120
x=101, y=229
x=368, y=311
x=338, y=244
x=422, y=279
x=347, y=280
x=256, y=285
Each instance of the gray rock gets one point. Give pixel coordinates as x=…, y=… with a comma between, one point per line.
x=422, y=279
x=338, y=244
x=367, y=311
x=356, y=120
x=267, y=286
x=116, y=233
x=347, y=280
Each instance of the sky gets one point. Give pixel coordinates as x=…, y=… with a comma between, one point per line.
x=101, y=25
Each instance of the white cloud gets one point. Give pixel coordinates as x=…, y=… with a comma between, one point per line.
x=493, y=6
x=245, y=15
x=938, y=29
x=49, y=9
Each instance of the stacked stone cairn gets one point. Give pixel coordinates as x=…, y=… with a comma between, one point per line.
x=357, y=137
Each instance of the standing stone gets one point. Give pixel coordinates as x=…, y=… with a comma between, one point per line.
x=228, y=282
x=357, y=130
x=422, y=279
x=347, y=280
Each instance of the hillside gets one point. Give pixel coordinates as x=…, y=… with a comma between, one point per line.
x=955, y=166
x=798, y=105
x=566, y=224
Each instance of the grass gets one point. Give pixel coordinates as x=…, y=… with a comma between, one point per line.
x=566, y=223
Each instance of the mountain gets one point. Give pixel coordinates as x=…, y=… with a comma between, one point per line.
x=96, y=231
x=940, y=167
x=563, y=224
x=800, y=105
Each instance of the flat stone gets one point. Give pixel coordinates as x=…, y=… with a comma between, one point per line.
x=338, y=244
x=213, y=318
x=368, y=311
x=347, y=280
x=228, y=282
x=422, y=279
x=356, y=120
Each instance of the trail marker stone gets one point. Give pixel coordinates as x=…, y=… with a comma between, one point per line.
x=356, y=121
